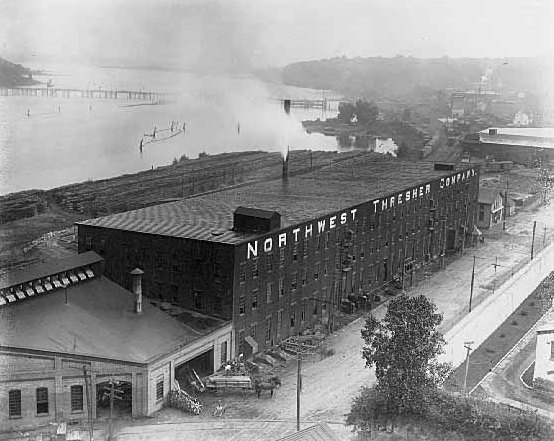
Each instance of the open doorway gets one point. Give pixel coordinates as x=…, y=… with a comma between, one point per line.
x=201, y=366
x=122, y=392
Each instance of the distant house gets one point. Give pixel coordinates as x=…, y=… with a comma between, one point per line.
x=544, y=358
x=491, y=207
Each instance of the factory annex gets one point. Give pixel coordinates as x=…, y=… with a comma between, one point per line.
x=277, y=257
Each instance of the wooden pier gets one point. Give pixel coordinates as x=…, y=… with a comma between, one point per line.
x=82, y=93
x=325, y=104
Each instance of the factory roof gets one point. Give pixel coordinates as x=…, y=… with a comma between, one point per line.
x=209, y=217
x=99, y=321
x=40, y=270
x=539, y=137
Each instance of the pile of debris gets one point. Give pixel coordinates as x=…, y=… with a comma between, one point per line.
x=179, y=399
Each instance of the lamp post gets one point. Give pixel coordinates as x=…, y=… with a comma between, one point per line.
x=467, y=345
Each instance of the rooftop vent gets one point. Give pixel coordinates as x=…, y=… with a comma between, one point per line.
x=443, y=166
x=493, y=131
x=255, y=220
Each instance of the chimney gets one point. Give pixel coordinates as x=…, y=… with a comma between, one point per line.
x=137, y=289
x=286, y=166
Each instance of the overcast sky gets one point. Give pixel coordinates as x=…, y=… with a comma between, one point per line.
x=254, y=33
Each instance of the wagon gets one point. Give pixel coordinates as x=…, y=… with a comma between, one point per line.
x=219, y=383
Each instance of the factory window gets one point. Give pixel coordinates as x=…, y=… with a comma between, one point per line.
x=254, y=299
x=88, y=242
x=325, y=268
x=242, y=273
x=295, y=253
x=324, y=297
x=253, y=329
x=160, y=388
x=42, y=400
x=314, y=306
x=241, y=341
x=255, y=268
x=327, y=238
x=281, y=287
x=305, y=248
x=102, y=245
x=223, y=353
x=268, y=292
x=282, y=257
x=241, y=305
x=268, y=329
x=304, y=277
x=362, y=250
x=303, y=315
x=76, y=398
x=292, y=316
x=316, y=271
x=199, y=301
x=481, y=215
x=293, y=281
x=364, y=221
x=279, y=320
x=318, y=243
x=269, y=262
x=14, y=403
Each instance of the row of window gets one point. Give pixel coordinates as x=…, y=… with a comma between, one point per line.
x=42, y=403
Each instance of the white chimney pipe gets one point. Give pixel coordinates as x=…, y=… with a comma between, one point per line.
x=137, y=289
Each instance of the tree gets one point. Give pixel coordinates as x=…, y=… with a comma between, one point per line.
x=403, y=348
x=346, y=110
x=366, y=111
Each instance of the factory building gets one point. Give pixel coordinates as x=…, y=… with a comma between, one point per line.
x=68, y=334
x=277, y=257
x=527, y=146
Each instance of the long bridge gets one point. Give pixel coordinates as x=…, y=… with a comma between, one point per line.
x=83, y=93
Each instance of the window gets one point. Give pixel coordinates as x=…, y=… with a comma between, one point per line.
x=254, y=299
x=293, y=281
x=281, y=287
x=324, y=297
x=76, y=398
x=42, y=400
x=253, y=329
x=268, y=292
x=295, y=253
x=303, y=316
x=316, y=271
x=327, y=236
x=269, y=262
x=160, y=388
x=223, y=355
x=292, y=317
x=254, y=268
x=241, y=305
x=241, y=341
x=14, y=403
x=481, y=216
x=362, y=250
x=279, y=320
x=242, y=273
x=268, y=329
x=364, y=220
x=282, y=257
x=304, y=277
x=314, y=306
x=305, y=248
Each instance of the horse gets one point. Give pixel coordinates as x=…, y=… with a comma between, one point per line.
x=269, y=385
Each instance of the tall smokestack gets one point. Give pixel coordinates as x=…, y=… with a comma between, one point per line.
x=286, y=166
x=137, y=289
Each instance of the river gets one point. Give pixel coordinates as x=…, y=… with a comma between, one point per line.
x=47, y=142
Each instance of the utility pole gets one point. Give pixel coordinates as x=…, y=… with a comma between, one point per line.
x=533, y=240
x=472, y=281
x=467, y=345
x=298, y=390
x=444, y=243
x=505, y=203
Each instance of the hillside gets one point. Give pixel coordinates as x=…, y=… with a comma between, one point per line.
x=14, y=75
x=402, y=77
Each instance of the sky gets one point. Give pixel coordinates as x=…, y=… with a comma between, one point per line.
x=244, y=34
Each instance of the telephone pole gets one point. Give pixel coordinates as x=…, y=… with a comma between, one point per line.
x=89, y=403
x=467, y=345
x=472, y=281
x=533, y=240
x=298, y=389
